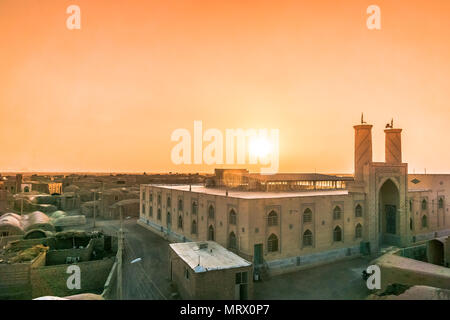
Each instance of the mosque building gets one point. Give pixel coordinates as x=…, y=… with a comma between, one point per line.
x=284, y=222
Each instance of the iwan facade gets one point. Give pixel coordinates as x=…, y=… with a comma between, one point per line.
x=291, y=221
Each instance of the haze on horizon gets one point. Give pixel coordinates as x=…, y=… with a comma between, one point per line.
x=106, y=98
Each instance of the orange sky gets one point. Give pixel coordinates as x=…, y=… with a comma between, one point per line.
x=107, y=97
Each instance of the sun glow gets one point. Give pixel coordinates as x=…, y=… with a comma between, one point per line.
x=260, y=147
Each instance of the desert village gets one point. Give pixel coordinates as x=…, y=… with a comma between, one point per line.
x=227, y=235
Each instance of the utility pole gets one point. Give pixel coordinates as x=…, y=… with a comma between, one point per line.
x=119, y=260
x=103, y=205
x=94, y=209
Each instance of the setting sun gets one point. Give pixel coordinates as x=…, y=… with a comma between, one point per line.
x=260, y=147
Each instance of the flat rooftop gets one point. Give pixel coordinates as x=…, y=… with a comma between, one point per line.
x=251, y=194
x=212, y=256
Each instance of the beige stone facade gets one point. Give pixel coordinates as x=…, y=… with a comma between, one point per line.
x=382, y=205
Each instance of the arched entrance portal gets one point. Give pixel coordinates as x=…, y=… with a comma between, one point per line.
x=389, y=213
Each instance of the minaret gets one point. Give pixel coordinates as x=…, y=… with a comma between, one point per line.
x=393, y=144
x=363, y=147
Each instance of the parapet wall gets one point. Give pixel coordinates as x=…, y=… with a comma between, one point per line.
x=397, y=269
x=52, y=280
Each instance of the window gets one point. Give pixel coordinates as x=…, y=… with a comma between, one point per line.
x=337, y=213
x=151, y=211
x=232, y=217
x=211, y=233
x=424, y=204
x=143, y=208
x=5, y=234
x=337, y=234
x=180, y=204
x=410, y=205
x=358, y=231
x=441, y=203
x=194, y=207
x=169, y=202
x=180, y=222
x=272, y=243
x=151, y=197
x=424, y=221
x=307, y=215
x=211, y=212
x=410, y=223
x=272, y=218
x=232, y=243
x=194, y=227
x=358, y=211
x=307, y=238
x=116, y=198
x=159, y=199
x=186, y=273
x=159, y=214
x=169, y=219
x=241, y=277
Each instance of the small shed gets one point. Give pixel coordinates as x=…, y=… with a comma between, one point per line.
x=206, y=270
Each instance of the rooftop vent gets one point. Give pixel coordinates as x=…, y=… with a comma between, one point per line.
x=203, y=245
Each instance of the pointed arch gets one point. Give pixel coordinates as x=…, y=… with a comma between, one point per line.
x=232, y=241
x=272, y=243
x=337, y=234
x=358, y=231
x=307, y=238
x=211, y=235
x=307, y=215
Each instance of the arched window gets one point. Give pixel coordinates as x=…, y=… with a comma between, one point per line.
x=337, y=234
x=211, y=233
x=194, y=207
x=27, y=189
x=424, y=221
x=307, y=215
x=169, y=219
x=180, y=222
x=337, y=213
x=232, y=243
x=272, y=218
x=358, y=211
x=151, y=211
x=358, y=231
x=194, y=227
x=159, y=214
x=211, y=212
x=440, y=203
x=232, y=217
x=180, y=204
x=410, y=223
x=169, y=202
x=424, y=204
x=307, y=238
x=272, y=243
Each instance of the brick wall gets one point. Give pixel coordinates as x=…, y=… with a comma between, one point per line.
x=55, y=257
x=52, y=280
x=217, y=284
